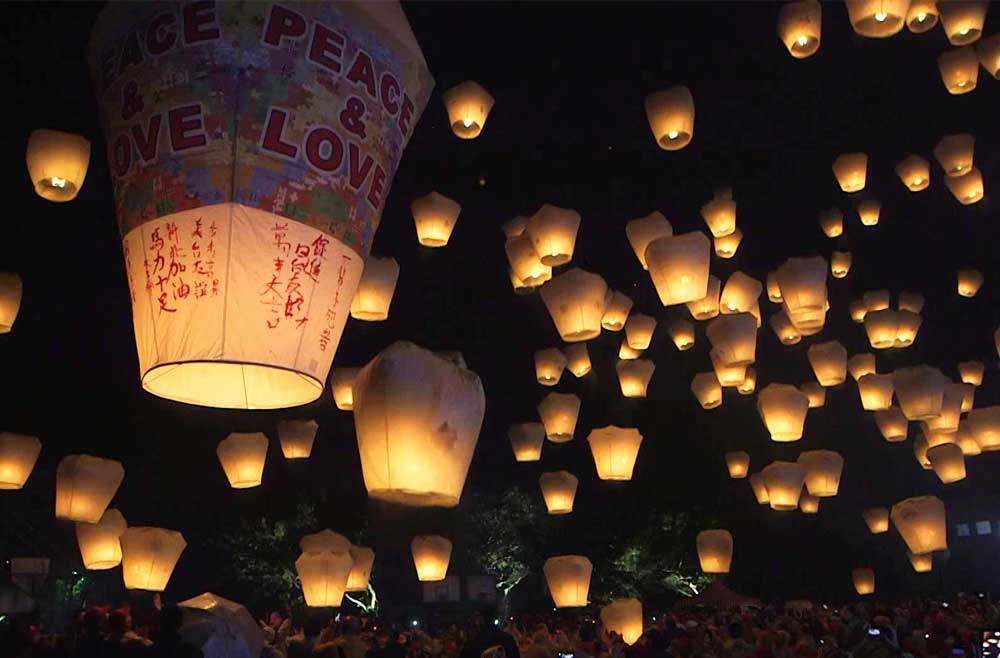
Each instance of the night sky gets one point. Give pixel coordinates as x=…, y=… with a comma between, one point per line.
x=569, y=129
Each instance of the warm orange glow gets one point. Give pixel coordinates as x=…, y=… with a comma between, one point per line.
x=954, y=153
x=868, y=211
x=616, y=311
x=971, y=372
x=832, y=222
x=18, y=454
x=823, y=470
x=526, y=441
x=829, y=362
x=549, y=366
x=559, y=412
x=840, y=264
x=99, y=542
x=784, y=329
x=759, y=487
x=911, y=301
x=738, y=464
x=10, y=300
x=963, y=21
x=615, y=450
x=720, y=216
x=374, y=293
x=706, y=307
x=576, y=302
x=959, y=70
x=149, y=556
x=920, y=391
x=468, y=105
x=877, y=519
x=921, y=563
x=734, y=341
x=921, y=522
x=362, y=559
x=808, y=504
x=57, y=163
x=552, y=231
x=524, y=263
x=681, y=333
x=242, y=457
x=749, y=384
x=915, y=172
x=860, y=365
x=715, y=550
x=707, y=390
x=342, y=383
x=877, y=18
x=989, y=54
x=568, y=579
x=803, y=289
x=624, y=617
x=558, y=491
x=634, y=376
x=739, y=294
x=948, y=462
x=850, y=170
x=969, y=282
x=671, y=117
x=639, y=330
x=984, y=423
x=875, y=391
x=641, y=232
x=678, y=266
x=431, y=554
x=815, y=393
x=297, y=437
x=85, y=486
x=864, y=581
x=435, y=216
x=921, y=16
x=324, y=576
x=882, y=328
x=800, y=27
x=783, y=409
x=726, y=246
x=784, y=482
x=577, y=359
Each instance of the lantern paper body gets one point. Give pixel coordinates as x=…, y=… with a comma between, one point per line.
x=576, y=301
x=951, y=409
x=749, y=384
x=882, y=328
x=911, y=301
x=715, y=550
x=860, y=365
x=799, y=27
x=783, y=409
x=984, y=423
x=784, y=482
x=962, y=20
x=568, y=579
x=921, y=16
x=707, y=390
x=671, y=117
x=851, y=169
x=18, y=454
x=431, y=554
x=720, y=216
x=829, y=362
x=99, y=542
x=324, y=577
x=920, y=391
x=325, y=541
x=740, y=293
x=362, y=558
x=625, y=352
x=728, y=375
x=876, y=392
x=876, y=300
x=678, y=266
x=10, y=300
x=242, y=457
x=803, y=289
x=549, y=366
x=417, y=418
x=639, y=330
x=738, y=464
x=434, y=216
x=553, y=233
x=726, y=246
x=524, y=262
x=921, y=563
x=989, y=54
x=948, y=462
x=965, y=440
x=623, y=616
x=907, y=327
x=514, y=227
x=526, y=441
x=921, y=521
x=971, y=372
x=869, y=211
x=920, y=449
x=267, y=218
x=681, y=333
x=815, y=393
x=342, y=383
x=558, y=490
x=707, y=307
x=634, y=376
x=519, y=287
x=57, y=163
x=915, y=172
x=734, y=339
x=840, y=264
x=759, y=487
x=577, y=359
x=832, y=222
x=784, y=329
x=615, y=450
x=375, y=289
x=297, y=438
x=864, y=581
x=954, y=153
x=468, y=105
x=858, y=310
x=959, y=70
x=808, y=504
x=149, y=556
x=823, y=469
x=84, y=487
x=969, y=282
x=773, y=289
x=877, y=519
x=559, y=412
x=616, y=312
x=877, y=18
x=642, y=231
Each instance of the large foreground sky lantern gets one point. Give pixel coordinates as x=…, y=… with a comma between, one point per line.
x=800, y=27
x=552, y=231
x=10, y=300
x=434, y=216
x=149, y=556
x=678, y=266
x=576, y=301
x=670, y=113
x=922, y=523
x=740, y=293
x=247, y=209
x=640, y=232
x=875, y=391
x=417, y=417
x=297, y=437
x=85, y=486
x=18, y=454
x=57, y=164
x=559, y=412
x=468, y=105
x=715, y=550
x=877, y=18
x=634, y=376
x=624, y=616
x=100, y=546
x=558, y=491
x=948, y=462
x=921, y=563
x=242, y=456
x=615, y=450
x=568, y=579
x=431, y=555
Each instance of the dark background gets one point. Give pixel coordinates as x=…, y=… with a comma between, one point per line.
x=568, y=128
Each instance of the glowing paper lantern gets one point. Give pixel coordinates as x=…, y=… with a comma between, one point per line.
x=375, y=289
x=877, y=18
x=515, y=226
x=882, y=328
x=989, y=54
x=907, y=327
x=615, y=450
x=468, y=105
x=625, y=352
x=526, y=441
x=962, y=20
x=850, y=169
x=959, y=70
x=431, y=554
x=707, y=307
x=729, y=375
x=681, y=333
x=749, y=384
x=568, y=579
x=242, y=457
x=832, y=222
x=549, y=366
x=149, y=556
x=773, y=289
x=738, y=464
x=920, y=449
x=57, y=163
x=784, y=482
x=829, y=362
x=553, y=233
x=342, y=383
x=840, y=264
x=624, y=617
x=783, y=409
x=558, y=490
x=921, y=16
x=417, y=418
x=707, y=390
x=784, y=329
x=951, y=409
x=759, y=487
x=921, y=521
x=971, y=372
x=434, y=216
x=808, y=504
x=577, y=359
x=524, y=262
x=920, y=391
x=671, y=117
x=799, y=27
x=858, y=310
x=892, y=424
x=720, y=215
x=297, y=437
x=85, y=486
x=18, y=454
x=715, y=550
x=740, y=293
x=576, y=301
x=726, y=246
x=968, y=397
x=639, y=330
x=911, y=301
x=864, y=581
x=875, y=391
x=868, y=211
x=99, y=542
x=678, y=266
x=815, y=393
x=734, y=339
x=877, y=519
x=922, y=563
x=984, y=423
x=616, y=311
x=966, y=441
x=876, y=300
x=860, y=365
x=325, y=540
x=324, y=576
x=559, y=412
x=634, y=376
x=954, y=153
x=10, y=300
x=948, y=462
x=969, y=282
x=803, y=289
x=362, y=560
x=915, y=172
x=823, y=470
x=642, y=231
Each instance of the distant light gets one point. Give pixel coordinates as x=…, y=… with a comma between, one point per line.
x=964, y=32
x=958, y=167
x=482, y=181
x=881, y=16
x=918, y=181
x=921, y=17
x=467, y=122
x=672, y=134
x=58, y=182
x=414, y=623
x=74, y=573
x=963, y=83
x=803, y=40
x=496, y=622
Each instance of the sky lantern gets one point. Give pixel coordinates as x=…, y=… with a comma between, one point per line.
x=740, y=293
x=515, y=226
x=362, y=560
x=951, y=409
x=577, y=359
x=915, y=172
x=935, y=437
x=671, y=117
x=864, y=581
x=681, y=333
x=984, y=423
x=921, y=16
x=823, y=470
x=799, y=27
x=10, y=300
x=625, y=352
x=640, y=232
x=707, y=390
x=639, y=330
x=892, y=424
x=342, y=383
x=149, y=556
x=720, y=216
x=634, y=376
x=549, y=366
x=678, y=266
x=616, y=311
x=877, y=519
x=920, y=391
x=99, y=542
x=969, y=282
x=954, y=153
x=526, y=441
x=971, y=372
x=524, y=262
x=431, y=555
x=558, y=490
x=715, y=550
x=325, y=540
x=959, y=70
x=948, y=462
x=816, y=394
x=57, y=164
x=568, y=578
x=615, y=450
x=784, y=482
x=373, y=295
x=434, y=216
x=840, y=264
x=85, y=486
x=920, y=448
x=963, y=20
x=624, y=617
x=417, y=417
x=576, y=301
x=18, y=454
x=876, y=300
x=728, y=374
x=882, y=328
x=749, y=384
x=968, y=397
x=921, y=563
x=734, y=339
x=759, y=487
x=850, y=169
x=707, y=307
x=468, y=105
x=877, y=18
x=803, y=289
x=242, y=457
x=808, y=504
x=829, y=362
x=784, y=329
x=773, y=289
x=911, y=301
x=297, y=437
x=966, y=441
x=738, y=464
x=553, y=233
x=875, y=391
x=726, y=246
x=832, y=222
x=860, y=365
x=858, y=310
x=559, y=413
x=921, y=522
x=783, y=409
x=868, y=211
x=989, y=54
x=521, y=288
x=907, y=328
x=324, y=576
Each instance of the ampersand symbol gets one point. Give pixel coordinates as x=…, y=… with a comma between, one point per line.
x=350, y=117
x=131, y=100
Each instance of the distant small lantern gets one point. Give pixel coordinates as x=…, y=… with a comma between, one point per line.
x=784, y=482
x=877, y=18
x=921, y=521
x=784, y=329
x=342, y=383
x=625, y=352
x=832, y=222
x=851, y=169
x=911, y=301
x=948, y=462
x=823, y=470
x=526, y=441
x=362, y=558
x=576, y=302
x=577, y=359
x=558, y=491
x=149, y=556
x=10, y=300
x=99, y=542
x=840, y=264
x=678, y=266
x=624, y=617
x=616, y=312
x=374, y=294
x=559, y=413
x=738, y=464
x=954, y=153
x=715, y=550
x=431, y=554
x=875, y=391
x=864, y=581
x=242, y=457
x=920, y=449
x=915, y=172
x=726, y=246
x=971, y=372
x=553, y=233
x=882, y=328
x=803, y=289
x=860, y=365
x=920, y=391
x=868, y=211
x=324, y=576
x=468, y=105
x=641, y=232
x=984, y=423
x=773, y=289
x=18, y=454
x=85, y=486
x=524, y=262
x=800, y=27
x=435, y=216
x=671, y=117
x=963, y=21
x=808, y=504
x=783, y=409
x=740, y=293
x=707, y=390
x=297, y=437
x=829, y=362
x=892, y=424
x=634, y=376
x=966, y=441
x=959, y=70
x=969, y=282
x=815, y=393
x=759, y=487
x=749, y=384
x=639, y=330
x=728, y=374
x=549, y=366
x=614, y=450
x=57, y=164
x=707, y=307
x=568, y=579
x=515, y=226
x=921, y=16
x=907, y=327
x=720, y=216
x=734, y=339
x=921, y=563
x=858, y=310
x=681, y=333
x=877, y=519
x=989, y=55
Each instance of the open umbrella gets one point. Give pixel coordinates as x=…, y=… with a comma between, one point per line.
x=220, y=627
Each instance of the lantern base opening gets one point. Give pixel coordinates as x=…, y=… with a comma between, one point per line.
x=369, y=316
x=432, y=242
x=777, y=507
x=231, y=385
x=552, y=260
x=675, y=140
x=59, y=191
x=560, y=438
x=463, y=131
x=412, y=498
x=11, y=486
x=249, y=484
x=102, y=565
